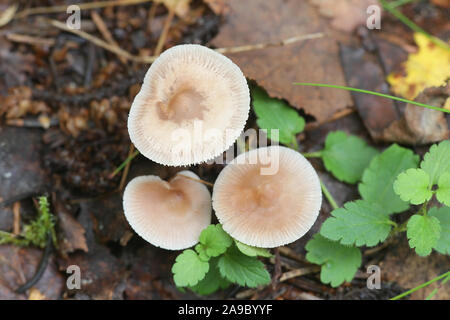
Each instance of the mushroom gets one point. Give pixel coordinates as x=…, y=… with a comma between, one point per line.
x=170, y=215
x=192, y=106
x=267, y=197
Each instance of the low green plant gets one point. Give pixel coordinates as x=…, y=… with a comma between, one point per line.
x=36, y=232
x=217, y=261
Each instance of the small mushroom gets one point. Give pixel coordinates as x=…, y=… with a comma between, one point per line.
x=267, y=197
x=192, y=106
x=170, y=215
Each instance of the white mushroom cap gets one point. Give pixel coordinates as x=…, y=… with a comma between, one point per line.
x=192, y=106
x=170, y=215
x=265, y=207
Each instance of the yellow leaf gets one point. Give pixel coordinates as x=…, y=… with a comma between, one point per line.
x=7, y=15
x=428, y=67
x=35, y=294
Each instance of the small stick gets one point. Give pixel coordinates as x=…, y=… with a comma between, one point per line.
x=16, y=224
x=165, y=31
x=288, y=252
x=264, y=45
x=82, y=6
x=101, y=26
x=23, y=38
x=298, y=273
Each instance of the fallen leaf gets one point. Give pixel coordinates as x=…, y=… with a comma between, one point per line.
x=35, y=294
x=277, y=68
x=429, y=67
x=18, y=265
x=345, y=15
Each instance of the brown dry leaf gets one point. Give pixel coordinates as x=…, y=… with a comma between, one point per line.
x=346, y=15
x=277, y=68
x=17, y=265
x=219, y=7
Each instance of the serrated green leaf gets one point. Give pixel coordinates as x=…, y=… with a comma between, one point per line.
x=243, y=270
x=443, y=191
x=215, y=240
x=413, y=185
x=378, y=178
x=436, y=161
x=359, y=222
x=276, y=114
x=339, y=263
x=346, y=156
x=443, y=215
x=423, y=233
x=252, y=251
x=212, y=282
x=189, y=269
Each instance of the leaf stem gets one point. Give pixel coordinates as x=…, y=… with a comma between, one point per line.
x=317, y=154
x=123, y=164
x=328, y=195
x=423, y=285
x=372, y=93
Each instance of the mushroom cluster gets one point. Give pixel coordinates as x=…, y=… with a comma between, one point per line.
x=192, y=106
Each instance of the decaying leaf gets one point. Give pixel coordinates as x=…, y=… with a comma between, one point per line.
x=345, y=15
x=429, y=67
x=277, y=68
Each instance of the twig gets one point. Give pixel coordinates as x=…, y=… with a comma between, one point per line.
x=103, y=44
x=41, y=267
x=101, y=26
x=288, y=252
x=16, y=224
x=164, y=33
x=82, y=6
x=264, y=45
x=23, y=38
x=299, y=272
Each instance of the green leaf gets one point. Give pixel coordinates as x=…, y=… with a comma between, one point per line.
x=346, y=156
x=436, y=161
x=201, y=250
x=423, y=233
x=443, y=215
x=339, y=263
x=378, y=178
x=215, y=240
x=243, y=270
x=252, y=251
x=443, y=191
x=359, y=222
x=189, y=269
x=276, y=114
x=212, y=281
x=413, y=186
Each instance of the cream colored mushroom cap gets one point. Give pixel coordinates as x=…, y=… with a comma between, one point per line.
x=267, y=197
x=170, y=215
x=192, y=106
